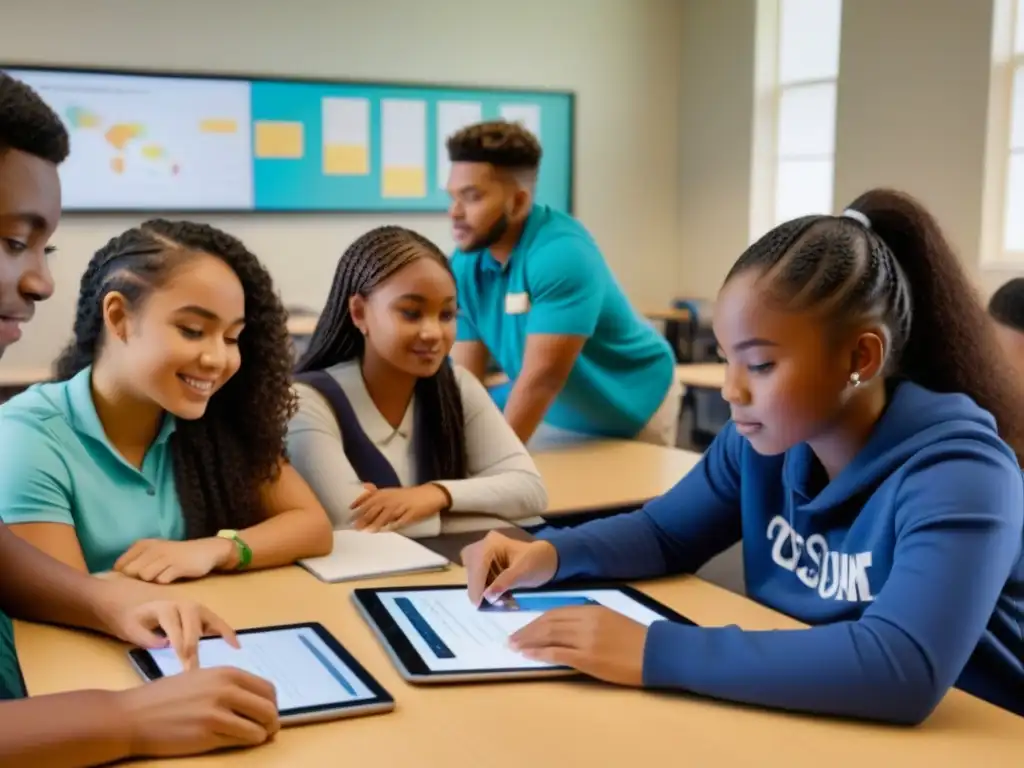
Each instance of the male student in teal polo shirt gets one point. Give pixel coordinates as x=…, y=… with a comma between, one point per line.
x=196, y=711
x=535, y=293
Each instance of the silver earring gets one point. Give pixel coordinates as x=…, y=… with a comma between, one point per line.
x=855, y=379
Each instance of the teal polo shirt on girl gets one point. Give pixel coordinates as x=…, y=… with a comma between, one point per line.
x=557, y=282
x=57, y=466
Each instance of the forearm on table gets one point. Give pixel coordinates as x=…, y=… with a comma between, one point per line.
x=65, y=730
x=285, y=538
x=36, y=587
x=625, y=546
x=511, y=494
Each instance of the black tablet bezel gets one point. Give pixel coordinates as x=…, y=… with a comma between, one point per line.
x=391, y=634
x=147, y=666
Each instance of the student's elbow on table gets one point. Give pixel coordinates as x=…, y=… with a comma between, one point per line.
x=909, y=689
x=535, y=496
x=909, y=702
x=322, y=537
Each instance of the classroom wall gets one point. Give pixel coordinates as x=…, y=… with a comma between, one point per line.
x=622, y=57
x=912, y=113
x=717, y=106
x=913, y=106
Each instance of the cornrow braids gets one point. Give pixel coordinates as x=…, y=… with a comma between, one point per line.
x=222, y=459
x=889, y=261
x=497, y=142
x=371, y=259
x=28, y=124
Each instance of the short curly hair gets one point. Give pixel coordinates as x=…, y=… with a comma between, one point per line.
x=222, y=459
x=28, y=124
x=1007, y=304
x=497, y=142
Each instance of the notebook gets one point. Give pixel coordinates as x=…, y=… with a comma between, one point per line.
x=361, y=555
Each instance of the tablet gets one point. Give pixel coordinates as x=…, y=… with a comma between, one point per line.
x=315, y=677
x=436, y=635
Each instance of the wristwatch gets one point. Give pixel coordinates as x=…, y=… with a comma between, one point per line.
x=244, y=553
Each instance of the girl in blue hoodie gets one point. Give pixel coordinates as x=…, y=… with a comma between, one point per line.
x=863, y=470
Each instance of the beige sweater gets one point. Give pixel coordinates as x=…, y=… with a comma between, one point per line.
x=503, y=482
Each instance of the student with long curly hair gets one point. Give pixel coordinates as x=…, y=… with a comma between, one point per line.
x=159, y=450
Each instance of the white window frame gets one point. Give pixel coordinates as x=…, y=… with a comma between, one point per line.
x=998, y=147
x=768, y=95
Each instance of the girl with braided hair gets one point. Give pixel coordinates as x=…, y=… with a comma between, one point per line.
x=158, y=452
x=388, y=433
x=863, y=471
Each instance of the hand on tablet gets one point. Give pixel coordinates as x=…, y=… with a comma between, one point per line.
x=595, y=640
x=496, y=564
x=199, y=711
x=181, y=622
x=389, y=509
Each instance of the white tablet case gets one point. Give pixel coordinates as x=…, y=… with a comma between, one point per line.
x=361, y=555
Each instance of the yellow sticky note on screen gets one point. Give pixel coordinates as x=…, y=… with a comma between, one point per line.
x=405, y=181
x=278, y=140
x=346, y=160
x=218, y=125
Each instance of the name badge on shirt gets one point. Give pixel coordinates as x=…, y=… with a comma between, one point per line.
x=517, y=303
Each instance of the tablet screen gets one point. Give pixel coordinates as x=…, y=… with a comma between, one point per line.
x=451, y=634
x=304, y=669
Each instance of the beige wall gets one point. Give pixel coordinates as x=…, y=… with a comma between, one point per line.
x=913, y=105
x=717, y=108
x=622, y=57
x=912, y=113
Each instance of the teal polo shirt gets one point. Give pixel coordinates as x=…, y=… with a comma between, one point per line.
x=557, y=282
x=57, y=466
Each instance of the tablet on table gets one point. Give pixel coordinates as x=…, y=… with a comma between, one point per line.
x=436, y=635
x=315, y=677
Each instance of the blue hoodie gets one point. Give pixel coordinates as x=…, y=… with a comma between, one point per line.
x=908, y=566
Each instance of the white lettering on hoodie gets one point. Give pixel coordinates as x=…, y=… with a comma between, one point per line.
x=835, y=575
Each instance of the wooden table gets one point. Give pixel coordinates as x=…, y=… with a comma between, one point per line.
x=302, y=325
x=701, y=375
x=543, y=723
x=24, y=376
x=609, y=474
x=667, y=314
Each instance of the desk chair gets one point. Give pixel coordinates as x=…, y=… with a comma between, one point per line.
x=300, y=342
x=706, y=408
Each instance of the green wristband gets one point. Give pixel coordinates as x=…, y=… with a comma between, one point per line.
x=244, y=552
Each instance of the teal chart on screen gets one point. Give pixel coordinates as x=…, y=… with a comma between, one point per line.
x=153, y=142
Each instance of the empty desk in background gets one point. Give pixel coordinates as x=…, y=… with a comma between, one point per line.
x=607, y=476
x=302, y=325
x=544, y=723
x=703, y=383
x=16, y=379
x=677, y=324
x=701, y=375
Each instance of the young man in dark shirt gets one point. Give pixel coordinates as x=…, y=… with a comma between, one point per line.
x=196, y=711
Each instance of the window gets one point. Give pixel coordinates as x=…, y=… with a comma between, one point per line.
x=797, y=67
x=1013, y=212
x=805, y=133
x=1002, y=244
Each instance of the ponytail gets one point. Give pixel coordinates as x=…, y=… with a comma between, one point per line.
x=951, y=346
